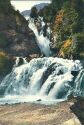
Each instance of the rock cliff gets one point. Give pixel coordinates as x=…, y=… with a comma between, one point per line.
x=16, y=39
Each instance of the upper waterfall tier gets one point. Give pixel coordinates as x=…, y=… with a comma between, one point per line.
x=43, y=79
x=43, y=42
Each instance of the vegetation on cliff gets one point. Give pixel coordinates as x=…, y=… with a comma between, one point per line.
x=67, y=24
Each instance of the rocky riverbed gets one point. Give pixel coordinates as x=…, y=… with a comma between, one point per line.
x=35, y=114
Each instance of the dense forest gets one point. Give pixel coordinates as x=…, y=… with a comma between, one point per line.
x=66, y=20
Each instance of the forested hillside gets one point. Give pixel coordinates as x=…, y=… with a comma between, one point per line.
x=67, y=24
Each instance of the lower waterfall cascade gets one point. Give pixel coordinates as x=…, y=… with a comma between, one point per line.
x=45, y=80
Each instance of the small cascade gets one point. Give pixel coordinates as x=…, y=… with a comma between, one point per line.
x=79, y=84
x=24, y=60
x=47, y=79
x=43, y=42
x=17, y=61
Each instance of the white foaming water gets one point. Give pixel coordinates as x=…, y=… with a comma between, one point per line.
x=48, y=80
x=43, y=42
x=17, y=61
x=79, y=88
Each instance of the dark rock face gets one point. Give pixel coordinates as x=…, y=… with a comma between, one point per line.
x=39, y=100
x=48, y=72
x=20, y=40
x=78, y=109
x=74, y=73
x=16, y=38
x=21, y=44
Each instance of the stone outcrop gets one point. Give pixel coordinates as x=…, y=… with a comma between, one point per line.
x=16, y=38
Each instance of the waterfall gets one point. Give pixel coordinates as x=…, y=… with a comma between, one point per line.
x=46, y=79
x=43, y=42
x=79, y=84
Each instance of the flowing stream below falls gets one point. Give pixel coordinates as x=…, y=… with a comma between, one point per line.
x=46, y=80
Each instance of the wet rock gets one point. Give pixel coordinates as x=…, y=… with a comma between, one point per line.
x=20, y=62
x=21, y=39
x=78, y=109
x=74, y=73
x=39, y=100
x=48, y=72
x=60, y=72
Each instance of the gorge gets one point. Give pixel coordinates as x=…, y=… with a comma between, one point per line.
x=46, y=80
x=42, y=62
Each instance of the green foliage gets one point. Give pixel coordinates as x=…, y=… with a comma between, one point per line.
x=3, y=40
x=70, y=20
x=74, y=46
x=80, y=41
x=65, y=25
x=49, y=12
x=69, y=48
x=57, y=4
x=46, y=13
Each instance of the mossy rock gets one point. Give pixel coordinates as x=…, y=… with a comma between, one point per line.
x=5, y=64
